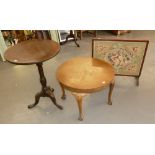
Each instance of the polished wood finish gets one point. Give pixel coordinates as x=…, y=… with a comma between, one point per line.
x=32, y=52
x=63, y=92
x=35, y=52
x=46, y=90
x=79, y=101
x=83, y=75
x=79, y=98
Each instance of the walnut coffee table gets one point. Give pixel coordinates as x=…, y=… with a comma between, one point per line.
x=35, y=52
x=84, y=75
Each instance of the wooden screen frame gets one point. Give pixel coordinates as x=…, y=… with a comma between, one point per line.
x=123, y=40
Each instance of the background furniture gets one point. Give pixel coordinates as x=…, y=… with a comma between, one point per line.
x=127, y=56
x=35, y=52
x=13, y=37
x=83, y=75
x=9, y=36
x=119, y=32
x=63, y=34
x=80, y=33
x=71, y=35
x=42, y=34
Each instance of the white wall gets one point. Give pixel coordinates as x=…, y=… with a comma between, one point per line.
x=2, y=46
x=54, y=35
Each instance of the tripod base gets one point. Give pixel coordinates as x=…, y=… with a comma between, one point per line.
x=46, y=91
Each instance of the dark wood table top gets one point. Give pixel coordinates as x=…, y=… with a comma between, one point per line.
x=32, y=52
x=85, y=74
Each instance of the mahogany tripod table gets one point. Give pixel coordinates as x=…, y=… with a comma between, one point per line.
x=35, y=52
x=84, y=75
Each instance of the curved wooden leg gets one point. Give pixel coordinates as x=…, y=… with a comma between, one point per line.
x=78, y=98
x=37, y=97
x=50, y=94
x=63, y=92
x=111, y=87
x=55, y=103
x=79, y=101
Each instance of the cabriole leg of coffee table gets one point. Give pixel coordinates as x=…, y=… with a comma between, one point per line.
x=79, y=97
x=46, y=91
x=111, y=87
x=63, y=92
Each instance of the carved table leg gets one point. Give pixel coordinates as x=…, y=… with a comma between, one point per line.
x=49, y=93
x=46, y=91
x=63, y=92
x=37, y=97
x=79, y=97
x=111, y=87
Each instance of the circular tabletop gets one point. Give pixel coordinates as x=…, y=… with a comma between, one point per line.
x=32, y=51
x=85, y=74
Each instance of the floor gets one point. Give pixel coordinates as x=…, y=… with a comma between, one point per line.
x=131, y=104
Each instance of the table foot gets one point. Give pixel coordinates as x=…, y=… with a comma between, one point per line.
x=111, y=87
x=79, y=98
x=79, y=101
x=63, y=97
x=49, y=93
x=46, y=92
x=80, y=119
x=54, y=102
x=110, y=102
x=37, y=97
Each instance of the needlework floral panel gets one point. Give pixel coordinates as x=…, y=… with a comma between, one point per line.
x=126, y=57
